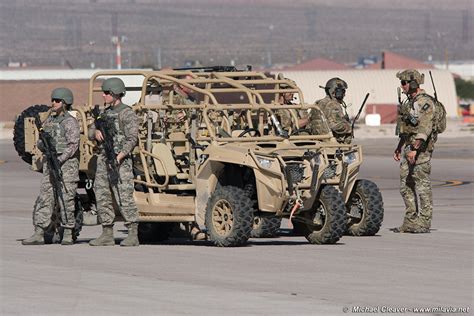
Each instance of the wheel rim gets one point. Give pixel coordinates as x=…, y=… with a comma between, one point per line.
x=222, y=217
x=356, y=213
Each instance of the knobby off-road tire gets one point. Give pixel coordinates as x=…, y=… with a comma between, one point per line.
x=19, y=130
x=367, y=201
x=326, y=223
x=265, y=226
x=229, y=216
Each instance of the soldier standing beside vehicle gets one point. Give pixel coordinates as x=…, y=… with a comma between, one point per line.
x=414, y=150
x=123, y=127
x=63, y=131
x=334, y=109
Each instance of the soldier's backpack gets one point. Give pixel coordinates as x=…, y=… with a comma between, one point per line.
x=439, y=117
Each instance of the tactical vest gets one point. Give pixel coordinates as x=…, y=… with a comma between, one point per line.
x=408, y=117
x=57, y=132
x=341, y=138
x=317, y=124
x=408, y=123
x=112, y=115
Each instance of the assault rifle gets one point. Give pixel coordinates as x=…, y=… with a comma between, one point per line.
x=107, y=129
x=54, y=165
x=358, y=113
x=399, y=111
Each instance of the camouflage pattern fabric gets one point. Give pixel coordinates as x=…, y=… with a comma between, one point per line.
x=174, y=124
x=64, y=130
x=415, y=180
x=337, y=119
x=317, y=123
x=125, y=139
x=420, y=109
x=105, y=194
x=285, y=118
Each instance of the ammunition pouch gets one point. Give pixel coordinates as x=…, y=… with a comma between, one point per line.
x=411, y=120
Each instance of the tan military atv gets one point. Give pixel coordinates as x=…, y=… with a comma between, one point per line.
x=222, y=165
x=362, y=197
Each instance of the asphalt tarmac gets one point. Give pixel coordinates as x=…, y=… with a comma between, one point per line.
x=389, y=273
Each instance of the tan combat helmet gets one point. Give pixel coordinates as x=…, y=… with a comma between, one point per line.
x=335, y=88
x=285, y=85
x=413, y=77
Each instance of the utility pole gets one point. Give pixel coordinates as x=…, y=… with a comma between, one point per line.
x=269, y=47
x=117, y=41
x=158, y=58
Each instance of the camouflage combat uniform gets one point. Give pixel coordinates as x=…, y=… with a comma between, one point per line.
x=125, y=139
x=173, y=122
x=337, y=119
x=287, y=116
x=317, y=124
x=64, y=131
x=415, y=178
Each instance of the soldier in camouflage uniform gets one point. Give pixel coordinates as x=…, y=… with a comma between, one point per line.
x=334, y=110
x=183, y=96
x=64, y=131
x=414, y=150
x=286, y=116
x=125, y=138
x=177, y=119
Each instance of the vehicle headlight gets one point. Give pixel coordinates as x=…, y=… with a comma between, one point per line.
x=350, y=158
x=265, y=162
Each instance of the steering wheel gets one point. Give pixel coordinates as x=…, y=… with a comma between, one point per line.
x=250, y=130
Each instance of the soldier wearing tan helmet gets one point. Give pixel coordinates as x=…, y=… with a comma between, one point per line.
x=334, y=108
x=63, y=131
x=414, y=151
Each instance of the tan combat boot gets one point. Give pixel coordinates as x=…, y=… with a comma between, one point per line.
x=106, y=239
x=132, y=237
x=36, y=239
x=67, y=237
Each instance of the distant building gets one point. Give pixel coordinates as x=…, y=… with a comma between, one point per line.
x=382, y=86
x=22, y=87
x=392, y=60
x=462, y=69
x=316, y=64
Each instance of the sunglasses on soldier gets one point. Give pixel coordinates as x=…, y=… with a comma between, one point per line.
x=106, y=92
x=56, y=100
x=404, y=82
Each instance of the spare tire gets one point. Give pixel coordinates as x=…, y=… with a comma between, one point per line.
x=19, y=130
